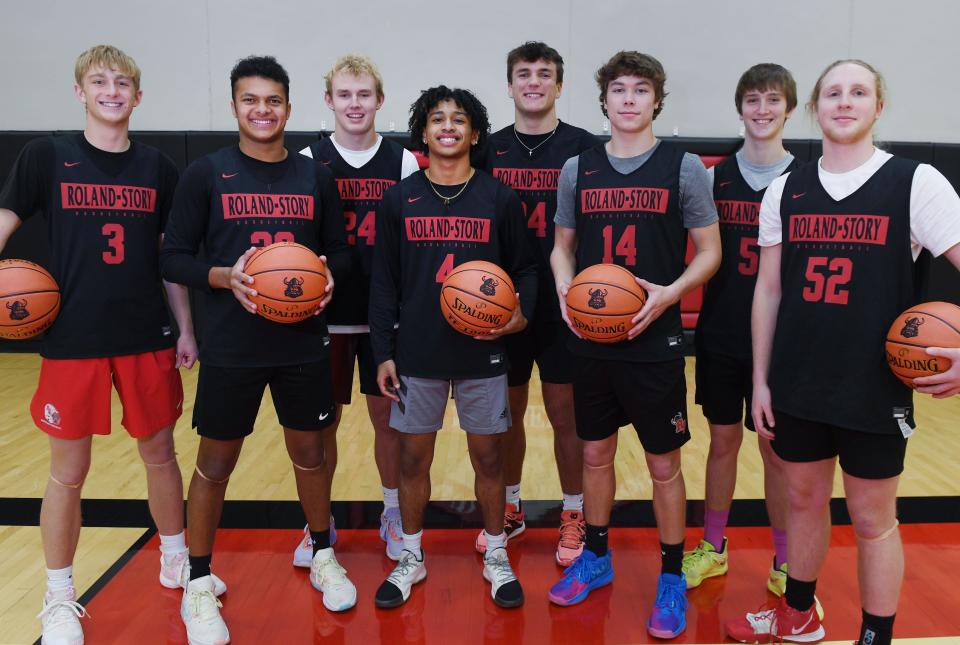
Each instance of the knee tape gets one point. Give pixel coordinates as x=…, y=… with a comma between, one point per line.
x=212, y=481
x=666, y=481
x=883, y=536
x=60, y=483
x=308, y=470
x=601, y=467
x=172, y=460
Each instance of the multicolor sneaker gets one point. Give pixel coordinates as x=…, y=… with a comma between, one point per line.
x=513, y=525
x=780, y=623
x=704, y=562
x=669, y=616
x=505, y=589
x=588, y=572
x=60, y=618
x=395, y=590
x=391, y=532
x=573, y=529
x=777, y=585
x=330, y=579
x=175, y=573
x=200, y=611
x=303, y=554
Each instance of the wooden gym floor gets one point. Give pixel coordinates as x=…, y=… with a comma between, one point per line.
x=262, y=507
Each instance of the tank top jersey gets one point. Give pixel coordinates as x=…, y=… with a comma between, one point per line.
x=534, y=177
x=846, y=271
x=723, y=326
x=634, y=221
x=361, y=192
x=433, y=239
x=244, y=210
x=104, y=233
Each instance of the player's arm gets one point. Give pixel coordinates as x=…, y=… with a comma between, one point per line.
x=519, y=261
x=946, y=383
x=385, y=292
x=563, y=257
x=9, y=222
x=334, y=243
x=24, y=191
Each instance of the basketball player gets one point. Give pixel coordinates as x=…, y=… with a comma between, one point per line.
x=539, y=141
x=228, y=202
x=639, y=380
x=765, y=97
x=839, y=239
x=106, y=199
x=364, y=165
x=428, y=224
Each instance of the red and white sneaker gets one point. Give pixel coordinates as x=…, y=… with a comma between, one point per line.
x=513, y=525
x=782, y=623
x=175, y=573
x=303, y=554
x=573, y=530
x=61, y=618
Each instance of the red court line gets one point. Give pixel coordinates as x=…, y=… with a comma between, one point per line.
x=269, y=601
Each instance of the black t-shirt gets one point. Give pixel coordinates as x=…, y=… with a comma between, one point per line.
x=228, y=202
x=105, y=214
x=846, y=271
x=533, y=175
x=419, y=241
x=723, y=326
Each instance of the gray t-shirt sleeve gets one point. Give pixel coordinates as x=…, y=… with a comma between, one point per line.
x=696, y=193
x=566, y=214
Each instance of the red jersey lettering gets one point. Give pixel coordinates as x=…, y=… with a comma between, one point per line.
x=460, y=229
x=734, y=212
x=852, y=229
x=259, y=205
x=366, y=189
x=528, y=178
x=105, y=197
x=630, y=200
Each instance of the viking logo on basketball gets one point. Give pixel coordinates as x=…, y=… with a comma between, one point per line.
x=294, y=287
x=679, y=423
x=51, y=415
x=18, y=309
x=489, y=286
x=911, y=327
x=597, y=298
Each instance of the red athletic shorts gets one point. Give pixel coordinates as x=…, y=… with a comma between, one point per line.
x=73, y=396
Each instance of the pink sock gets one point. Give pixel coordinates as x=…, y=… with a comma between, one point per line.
x=714, y=523
x=779, y=547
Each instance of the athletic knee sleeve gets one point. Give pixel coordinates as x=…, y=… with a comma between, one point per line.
x=65, y=485
x=883, y=536
x=666, y=481
x=212, y=481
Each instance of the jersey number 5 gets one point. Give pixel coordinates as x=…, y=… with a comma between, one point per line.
x=827, y=276
x=114, y=234
x=749, y=257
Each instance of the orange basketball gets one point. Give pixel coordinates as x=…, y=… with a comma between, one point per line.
x=931, y=324
x=602, y=301
x=476, y=297
x=289, y=279
x=30, y=297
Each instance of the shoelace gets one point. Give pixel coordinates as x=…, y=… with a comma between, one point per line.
x=330, y=571
x=672, y=596
x=205, y=605
x=512, y=517
x=581, y=569
x=500, y=566
x=57, y=612
x=764, y=619
x=406, y=564
x=572, y=533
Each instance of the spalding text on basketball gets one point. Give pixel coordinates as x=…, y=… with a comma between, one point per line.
x=476, y=314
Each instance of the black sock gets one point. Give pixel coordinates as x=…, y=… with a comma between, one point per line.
x=800, y=594
x=671, y=558
x=597, y=540
x=199, y=566
x=321, y=540
x=876, y=630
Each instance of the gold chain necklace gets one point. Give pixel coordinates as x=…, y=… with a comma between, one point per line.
x=447, y=200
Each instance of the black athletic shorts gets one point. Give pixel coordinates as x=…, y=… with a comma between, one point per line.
x=724, y=387
x=651, y=396
x=545, y=343
x=228, y=398
x=345, y=351
x=862, y=454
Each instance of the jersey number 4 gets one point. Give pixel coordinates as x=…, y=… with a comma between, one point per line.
x=537, y=219
x=626, y=246
x=827, y=277
x=445, y=268
x=367, y=229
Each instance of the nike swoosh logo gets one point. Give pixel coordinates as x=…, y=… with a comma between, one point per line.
x=410, y=200
x=797, y=630
x=71, y=164
x=228, y=176
x=725, y=183
x=799, y=195
x=327, y=162
x=590, y=172
x=324, y=415
x=500, y=153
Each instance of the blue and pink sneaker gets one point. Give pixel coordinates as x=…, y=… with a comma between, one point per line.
x=669, y=616
x=588, y=572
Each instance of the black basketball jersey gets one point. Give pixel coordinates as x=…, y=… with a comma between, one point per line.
x=724, y=322
x=846, y=272
x=534, y=176
x=634, y=221
x=361, y=191
x=229, y=202
x=104, y=227
x=421, y=241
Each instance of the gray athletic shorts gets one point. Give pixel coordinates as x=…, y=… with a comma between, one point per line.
x=481, y=405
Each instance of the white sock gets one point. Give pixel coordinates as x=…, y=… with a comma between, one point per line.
x=391, y=497
x=513, y=495
x=495, y=541
x=412, y=543
x=170, y=544
x=59, y=579
x=573, y=502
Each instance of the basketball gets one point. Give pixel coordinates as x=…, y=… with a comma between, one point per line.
x=289, y=279
x=602, y=301
x=476, y=297
x=931, y=324
x=30, y=297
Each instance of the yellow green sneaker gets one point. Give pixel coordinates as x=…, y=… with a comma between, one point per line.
x=777, y=585
x=704, y=562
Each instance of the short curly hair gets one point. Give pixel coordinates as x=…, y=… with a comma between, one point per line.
x=631, y=63
x=465, y=100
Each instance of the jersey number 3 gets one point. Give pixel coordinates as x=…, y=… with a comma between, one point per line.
x=115, y=251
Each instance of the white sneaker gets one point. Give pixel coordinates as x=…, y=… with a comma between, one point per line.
x=396, y=588
x=391, y=532
x=175, y=573
x=200, y=611
x=330, y=579
x=303, y=554
x=505, y=589
x=61, y=618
